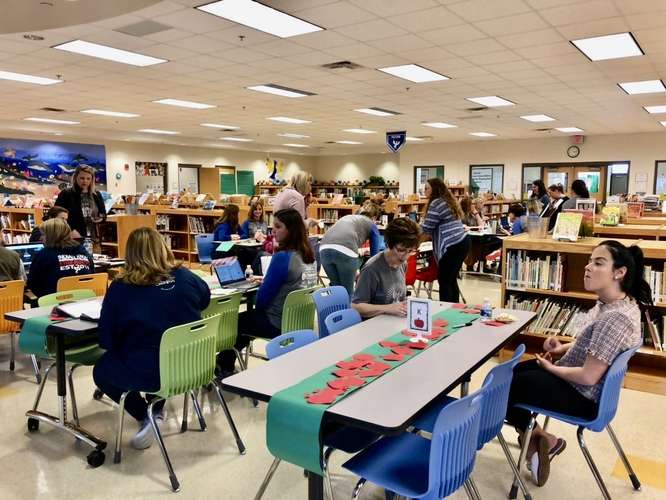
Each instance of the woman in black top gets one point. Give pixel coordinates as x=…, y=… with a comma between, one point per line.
x=84, y=203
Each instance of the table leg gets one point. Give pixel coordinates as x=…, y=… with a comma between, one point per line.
x=60, y=374
x=315, y=486
x=464, y=386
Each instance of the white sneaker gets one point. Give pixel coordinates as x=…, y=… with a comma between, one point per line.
x=144, y=437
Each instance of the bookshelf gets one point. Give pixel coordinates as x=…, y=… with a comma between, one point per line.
x=115, y=230
x=458, y=191
x=645, y=231
x=552, y=280
x=329, y=214
x=17, y=223
x=267, y=189
x=495, y=209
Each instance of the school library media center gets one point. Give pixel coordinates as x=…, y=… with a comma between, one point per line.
x=333, y=249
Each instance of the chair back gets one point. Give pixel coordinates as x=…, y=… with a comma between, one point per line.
x=227, y=309
x=610, y=391
x=410, y=273
x=97, y=282
x=298, y=310
x=454, y=440
x=496, y=397
x=11, y=299
x=329, y=300
x=187, y=356
x=429, y=273
x=57, y=298
x=341, y=320
x=205, y=246
x=288, y=342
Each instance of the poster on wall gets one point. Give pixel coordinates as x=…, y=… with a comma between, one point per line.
x=482, y=179
x=592, y=180
x=42, y=169
x=150, y=177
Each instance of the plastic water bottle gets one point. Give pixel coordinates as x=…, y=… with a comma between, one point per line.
x=486, y=309
x=248, y=272
x=87, y=244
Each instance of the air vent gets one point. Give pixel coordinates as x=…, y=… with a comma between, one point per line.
x=476, y=110
x=143, y=28
x=473, y=117
x=543, y=130
x=330, y=142
x=53, y=110
x=342, y=66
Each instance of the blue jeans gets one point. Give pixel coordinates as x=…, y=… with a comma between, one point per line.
x=340, y=268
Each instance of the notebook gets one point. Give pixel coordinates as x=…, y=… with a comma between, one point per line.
x=82, y=309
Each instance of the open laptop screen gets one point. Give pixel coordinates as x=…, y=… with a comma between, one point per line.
x=229, y=272
x=26, y=252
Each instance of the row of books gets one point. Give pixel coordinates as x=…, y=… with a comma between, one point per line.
x=525, y=271
x=9, y=239
x=197, y=225
x=329, y=214
x=5, y=222
x=656, y=281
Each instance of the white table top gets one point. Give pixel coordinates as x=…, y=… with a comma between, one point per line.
x=389, y=403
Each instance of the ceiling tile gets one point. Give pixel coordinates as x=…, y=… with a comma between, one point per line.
x=512, y=24
x=453, y=34
x=480, y=10
x=400, y=44
x=584, y=11
x=383, y=8
x=475, y=47
x=371, y=30
x=333, y=15
x=423, y=20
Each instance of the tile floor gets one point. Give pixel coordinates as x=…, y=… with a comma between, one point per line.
x=49, y=465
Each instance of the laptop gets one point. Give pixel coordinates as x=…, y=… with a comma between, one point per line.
x=230, y=275
x=26, y=251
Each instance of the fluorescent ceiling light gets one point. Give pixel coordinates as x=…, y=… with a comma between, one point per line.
x=482, y=134
x=491, y=101
x=414, y=73
x=601, y=48
x=19, y=77
x=644, y=87
x=294, y=136
x=109, y=53
x=220, y=125
x=294, y=145
x=286, y=119
x=158, y=131
x=438, y=125
x=236, y=139
x=260, y=17
x=377, y=111
x=51, y=120
x=414, y=139
x=655, y=109
x=348, y=142
x=359, y=131
x=109, y=113
x=271, y=88
x=538, y=118
x=184, y=104
x=569, y=130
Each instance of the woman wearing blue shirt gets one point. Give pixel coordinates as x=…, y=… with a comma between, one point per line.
x=153, y=294
x=255, y=226
x=227, y=226
x=292, y=267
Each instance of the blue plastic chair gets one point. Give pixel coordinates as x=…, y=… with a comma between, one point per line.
x=347, y=439
x=342, y=319
x=327, y=301
x=608, y=402
x=205, y=247
x=493, y=411
x=415, y=467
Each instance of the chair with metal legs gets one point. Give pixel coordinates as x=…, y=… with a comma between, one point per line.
x=608, y=403
x=187, y=362
x=493, y=411
x=11, y=299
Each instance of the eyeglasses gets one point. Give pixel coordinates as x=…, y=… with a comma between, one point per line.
x=402, y=250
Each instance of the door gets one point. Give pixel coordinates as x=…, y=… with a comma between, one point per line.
x=595, y=180
x=558, y=175
x=188, y=178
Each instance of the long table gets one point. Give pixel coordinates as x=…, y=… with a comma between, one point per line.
x=389, y=404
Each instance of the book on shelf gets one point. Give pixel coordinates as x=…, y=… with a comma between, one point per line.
x=567, y=226
x=527, y=271
x=655, y=278
x=652, y=336
x=554, y=316
x=197, y=225
x=635, y=209
x=587, y=222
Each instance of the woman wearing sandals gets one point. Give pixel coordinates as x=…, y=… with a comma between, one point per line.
x=572, y=384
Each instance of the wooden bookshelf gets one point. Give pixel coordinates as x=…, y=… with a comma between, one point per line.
x=647, y=369
x=646, y=231
x=16, y=224
x=330, y=214
x=496, y=209
x=115, y=230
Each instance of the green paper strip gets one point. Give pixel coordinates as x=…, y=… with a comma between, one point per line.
x=293, y=425
x=33, y=339
x=225, y=246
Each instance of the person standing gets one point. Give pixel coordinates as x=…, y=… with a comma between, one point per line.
x=83, y=203
x=450, y=242
x=294, y=196
x=539, y=193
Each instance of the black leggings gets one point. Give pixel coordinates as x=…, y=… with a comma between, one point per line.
x=254, y=323
x=449, y=267
x=532, y=385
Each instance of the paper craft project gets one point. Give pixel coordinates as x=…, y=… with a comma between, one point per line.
x=471, y=311
x=225, y=246
x=440, y=322
x=459, y=306
x=419, y=317
x=567, y=226
x=493, y=323
x=323, y=396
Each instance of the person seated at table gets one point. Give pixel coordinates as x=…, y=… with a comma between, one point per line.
x=557, y=200
x=11, y=265
x=255, y=226
x=37, y=237
x=227, y=227
x=539, y=193
x=579, y=190
x=471, y=216
x=381, y=287
x=292, y=267
x=338, y=249
x=572, y=384
x=152, y=294
x=61, y=256
x=515, y=219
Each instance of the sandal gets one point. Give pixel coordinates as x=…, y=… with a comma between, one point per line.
x=540, y=461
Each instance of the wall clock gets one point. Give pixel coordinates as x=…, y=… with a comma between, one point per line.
x=573, y=151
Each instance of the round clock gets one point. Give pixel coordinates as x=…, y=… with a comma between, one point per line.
x=573, y=151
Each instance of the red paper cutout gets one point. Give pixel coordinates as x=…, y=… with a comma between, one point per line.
x=440, y=323
x=407, y=333
x=388, y=343
x=393, y=357
x=471, y=311
x=345, y=383
x=323, y=396
x=418, y=345
x=459, y=306
x=351, y=365
x=345, y=373
x=402, y=349
x=363, y=357
x=493, y=323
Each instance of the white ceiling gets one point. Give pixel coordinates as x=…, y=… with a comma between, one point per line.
x=518, y=49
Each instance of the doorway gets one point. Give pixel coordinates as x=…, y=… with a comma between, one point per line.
x=188, y=178
x=594, y=177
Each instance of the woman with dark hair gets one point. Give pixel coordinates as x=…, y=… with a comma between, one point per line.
x=83, y=202
x=226, y=227
x=557, y=200
x=37, y=236
x=579, y=190
x=255, y=226
x=292, y=267
x=539, y=193
x=450, y=243
x=568, y=378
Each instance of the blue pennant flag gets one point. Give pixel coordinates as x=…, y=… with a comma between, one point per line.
x=396, y=140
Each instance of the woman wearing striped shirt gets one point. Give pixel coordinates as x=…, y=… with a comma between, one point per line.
x=449, y=239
